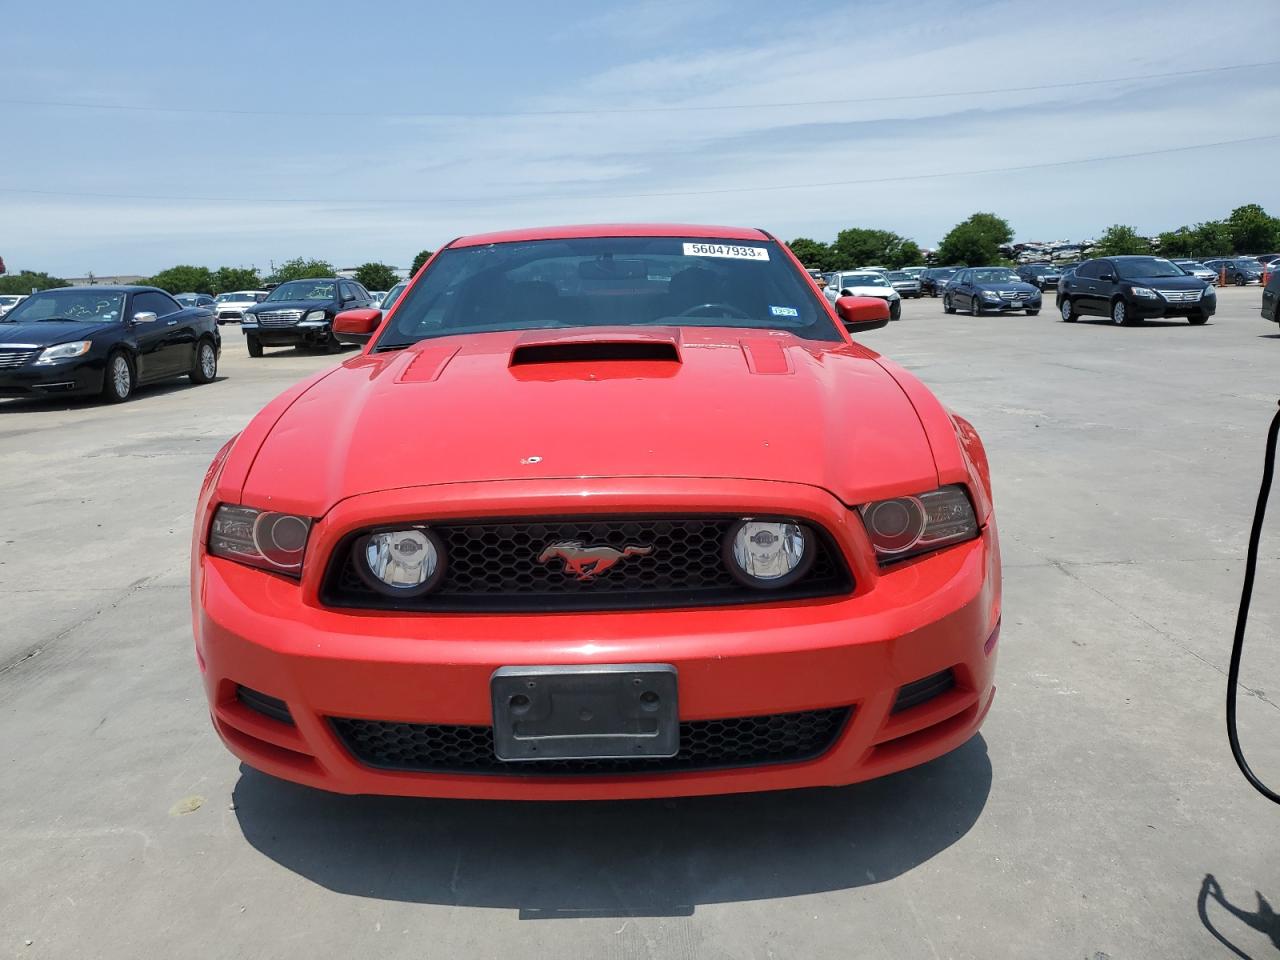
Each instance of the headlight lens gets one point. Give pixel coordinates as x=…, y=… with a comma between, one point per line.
x=64, y=351
x=990, y=295
x=400, y=563
x=768, y=554
x=1207, y=292
x=1145, y=292
x=260, y=538
x=909, y=526
x=315, y=316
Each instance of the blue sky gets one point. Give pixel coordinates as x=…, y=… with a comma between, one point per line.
x=384, y=128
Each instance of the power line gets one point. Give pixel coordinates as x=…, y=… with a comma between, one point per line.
x=865, y=181
x=613, y=111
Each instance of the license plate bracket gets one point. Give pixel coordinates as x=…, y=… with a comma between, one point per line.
x=600, y=712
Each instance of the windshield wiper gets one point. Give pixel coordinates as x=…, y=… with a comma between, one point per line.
x=388, y=347
x=57, y=320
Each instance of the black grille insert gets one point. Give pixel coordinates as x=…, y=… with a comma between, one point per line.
x=920, y=691
x=497, y=565
x=704, y=745
x=272, y=707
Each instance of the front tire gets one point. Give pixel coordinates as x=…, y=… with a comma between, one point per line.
x=975, y=308
x=1240, y=280
x=204, y=366
x=1120, y=313
x=334, y=345
x=254, y=344
x=946, y=304
x=117, y=382
x=1196, y=319
x=1069, y=314
x=1033, y=313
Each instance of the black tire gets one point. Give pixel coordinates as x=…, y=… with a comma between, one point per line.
x=946, y=305
x=254, y=344
x=895, y=310
x=975, y=308
x=1120, y=312
x=1033, y=313
x=1196, y=319
x=118, y=380
x=204, y=365
x=332, y=345
x=1067, y=310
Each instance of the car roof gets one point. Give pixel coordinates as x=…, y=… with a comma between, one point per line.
x=612, y=230
x=112, y=288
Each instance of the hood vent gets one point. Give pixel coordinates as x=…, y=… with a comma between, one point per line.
x=586, y=351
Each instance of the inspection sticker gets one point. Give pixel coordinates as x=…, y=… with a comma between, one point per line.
x=725, y=250
x=784, y=311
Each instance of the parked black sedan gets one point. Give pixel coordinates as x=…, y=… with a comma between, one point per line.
x=1129, y=290
x=300, y=313
x=104, y=340
x=990, y=289
x=1043, y=275
x=934, y=279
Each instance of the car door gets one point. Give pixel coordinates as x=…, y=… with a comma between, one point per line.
x=174, y=348
x=1271, y=299
x=962, y=290
x=149, y=338
x=1084, y=288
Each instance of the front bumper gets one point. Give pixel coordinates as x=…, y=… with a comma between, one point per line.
x=1156, y=309
x=1006, y=306
x=79, y=377
x=293, y=334
x=898, y=626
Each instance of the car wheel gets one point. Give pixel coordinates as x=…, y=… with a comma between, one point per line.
x=254, y=344
x=1033, y=313
x=1197, y=318
x=1069, y=314
x=1120, y=313
x=1240, y=280
x=332, y=345
x=204, y=366
x=117, y=382
x=946, y=304
x=975, y=309
x=895, y=310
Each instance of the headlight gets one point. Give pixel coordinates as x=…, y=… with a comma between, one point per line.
x=908, y=526
x=1145, y=292
x=260, y=538
x=990, y=295
x=768, y=554
x=1207, y=292
x=64, y=351
x=400, y=563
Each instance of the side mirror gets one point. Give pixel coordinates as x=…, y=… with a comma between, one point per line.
x=144, y=316
x=356, y=326
x=862, y=313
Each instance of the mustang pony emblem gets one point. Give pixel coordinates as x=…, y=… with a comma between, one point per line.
x=587, y=563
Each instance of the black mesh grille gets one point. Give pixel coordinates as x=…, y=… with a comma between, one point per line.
x=920, y=691
x=704, y=744
x=495, y=565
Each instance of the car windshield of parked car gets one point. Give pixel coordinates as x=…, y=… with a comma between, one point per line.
x=898, y=275
x=393, y=295
x=1147, y=268
x=190, y=299
x=1247, y=264
x=92, y=306
x=609, y=281
x=863, y=280
x=234, y=298
x=302, y=290
x=999, y=275
x=943, y=273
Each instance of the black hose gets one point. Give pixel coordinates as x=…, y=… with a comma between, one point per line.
x=1242, y=618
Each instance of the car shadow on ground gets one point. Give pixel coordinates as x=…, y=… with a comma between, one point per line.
x=1145, y=324
x=141, y=395
x=1265, y=920
x=618, y=859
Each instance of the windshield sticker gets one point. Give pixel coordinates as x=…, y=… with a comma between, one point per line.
x=784, y=311
x=725, y=250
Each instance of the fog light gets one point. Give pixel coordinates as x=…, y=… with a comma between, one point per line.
x=400, y=563
x=768, y=554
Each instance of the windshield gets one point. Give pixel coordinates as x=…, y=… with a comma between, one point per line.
x=94, y=306
x=187, y=298
x=1247, y=264
x=863, y=280
x=898, y=275
x=609, y=281
x=393, y=295
x=996, y=275
x=8, y=300
x=303, y=290
x=943, y=273
x=240, y=297
x=1148, y=267
x=1042, y=268
x=1191, y=264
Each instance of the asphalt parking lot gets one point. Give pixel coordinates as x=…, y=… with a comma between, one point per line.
x=1085, y=820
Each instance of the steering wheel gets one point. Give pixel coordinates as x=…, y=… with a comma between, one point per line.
x=726, y=310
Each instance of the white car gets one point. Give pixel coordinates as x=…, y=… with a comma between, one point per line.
x=231, y=306
x=863, y=283
x=10, y=300
x=377, y=296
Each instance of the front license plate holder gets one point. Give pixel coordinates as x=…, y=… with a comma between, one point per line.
x=602, y=712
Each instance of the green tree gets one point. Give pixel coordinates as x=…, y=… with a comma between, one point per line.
x=26, y=280
x=812, y=253
x=1210, y=239
x=376, y=276
x=183, y=279
x=1177, y=243
x=1253, y=230
x=300, y=268
x=1120, y=240
x=419, y=260
x=235, y=278
x=860, y=247
x=975, y=241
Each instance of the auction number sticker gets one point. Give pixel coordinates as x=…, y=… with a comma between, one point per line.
x=725, y=250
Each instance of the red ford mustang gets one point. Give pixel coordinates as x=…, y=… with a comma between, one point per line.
x=599, y=512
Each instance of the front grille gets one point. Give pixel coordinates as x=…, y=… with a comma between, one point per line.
x=278, y=318
x=496, y=566
x=1179, y=296
x=704, y=745
x=15, y=358
x=1012, y=295
x=921, y=691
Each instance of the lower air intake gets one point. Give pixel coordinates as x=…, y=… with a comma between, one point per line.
x=921, y=691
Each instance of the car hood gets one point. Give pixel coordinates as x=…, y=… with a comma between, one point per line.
x=303, y=305
x=735, y=404
x=875, y=291
x=47, y=333
x=1018, y=287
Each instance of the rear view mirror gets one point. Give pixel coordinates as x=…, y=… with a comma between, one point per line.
x=356, y=326
x=862, y=313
